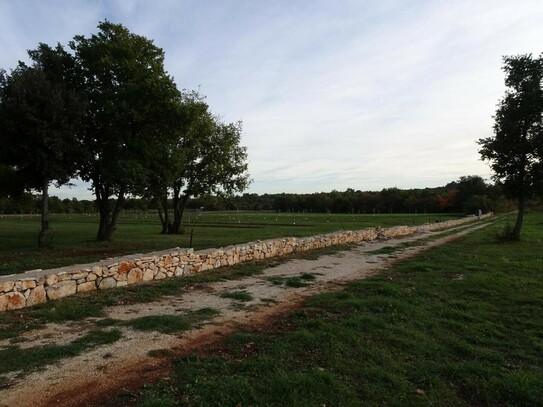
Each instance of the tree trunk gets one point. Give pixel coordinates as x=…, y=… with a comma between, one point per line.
x=164, y=216
x=179, y=203
x=520, y=218
x=108, y=217
x=42, y=237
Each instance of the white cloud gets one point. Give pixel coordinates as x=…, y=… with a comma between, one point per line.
x=332, y=94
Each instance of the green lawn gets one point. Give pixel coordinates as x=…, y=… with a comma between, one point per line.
x=459, y=325
x=73, y=236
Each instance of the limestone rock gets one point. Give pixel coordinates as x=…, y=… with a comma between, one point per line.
x=80, y=275
x=36, y=296
x=148, y=275
x=97, y=270
x=85, y=287
x=134, y=275
x=6, y=286
x=12, y=301
x=51, y=279
x=61, y=289
x=26, y=284
x=125, y=267
x=108, y=282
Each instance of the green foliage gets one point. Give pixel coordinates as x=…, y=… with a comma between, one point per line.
x=40, y=113
x=170, y=324
x=515, y=152
x=40, y=116
x=203, y=158
x=109, y=112
x=293, y=282
x=132, y=102
x=506, y=234
x=243, y=296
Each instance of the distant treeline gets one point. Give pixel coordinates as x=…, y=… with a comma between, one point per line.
x=467, y=195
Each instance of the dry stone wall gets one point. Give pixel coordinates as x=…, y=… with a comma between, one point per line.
x=40, y=286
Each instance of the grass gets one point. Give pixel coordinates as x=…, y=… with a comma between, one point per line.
x=394, y=249
x=22, y=361
x=73, y=236
x=293, y=282
x=170, y=324
x=242, y=296
x=458, y=325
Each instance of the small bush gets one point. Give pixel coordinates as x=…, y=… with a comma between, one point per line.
x=506, y=234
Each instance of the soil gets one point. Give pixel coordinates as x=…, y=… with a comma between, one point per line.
x=97, y=376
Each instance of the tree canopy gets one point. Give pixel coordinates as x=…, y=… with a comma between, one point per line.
x=515, y=151
x=205, y=157
x=108, y=112
x=131, y=99
x=40, y=115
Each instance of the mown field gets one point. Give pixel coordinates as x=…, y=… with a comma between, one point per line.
x=458, y=325
x=73, y=236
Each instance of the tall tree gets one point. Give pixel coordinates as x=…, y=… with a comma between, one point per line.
x=204, y=157
x=515, y=152
x=207, y=157
x=131, y=102
x=40, y=115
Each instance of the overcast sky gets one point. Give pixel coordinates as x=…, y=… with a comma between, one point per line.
x=333, y=94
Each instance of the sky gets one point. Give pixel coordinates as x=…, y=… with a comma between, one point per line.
x=332, y=94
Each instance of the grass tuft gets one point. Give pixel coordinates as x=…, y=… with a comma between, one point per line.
x=243, y=296
x=170, y=324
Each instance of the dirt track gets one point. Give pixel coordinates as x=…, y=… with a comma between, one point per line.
x=97, y=375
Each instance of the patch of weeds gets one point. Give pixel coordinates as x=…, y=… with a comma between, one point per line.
x=161, y=394
x=384, y=250
x=395, y=248
x=68, y=309
x=505, y=234
x=161, y=353
x=12, y=324
x=169, y=324
x=276, y=280
x=107, y=322
x=295, y=282
x=243, y=296
x=14, y=359
x=237, y=306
